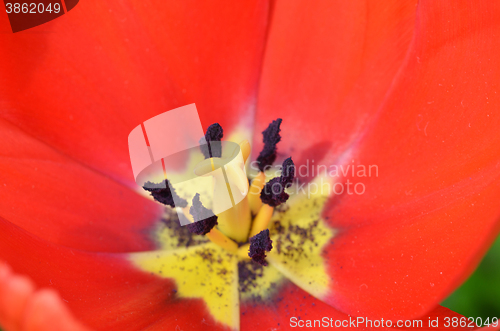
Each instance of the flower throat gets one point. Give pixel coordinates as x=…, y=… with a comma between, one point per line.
x=242, y=229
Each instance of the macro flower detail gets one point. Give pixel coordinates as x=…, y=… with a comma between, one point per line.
x=218, y=271
x=259, y=245
x=162, y=193
x=408, y=87
x=271, y=139
x=214, y=133
x=204, y=220
x=273, y=193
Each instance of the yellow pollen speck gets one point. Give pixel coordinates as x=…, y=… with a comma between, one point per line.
x=204, y=272
x=299, y=236
x=257, y=282
x=222, y=277
x=169, y=235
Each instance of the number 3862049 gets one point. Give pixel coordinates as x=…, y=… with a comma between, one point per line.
x=32, y=8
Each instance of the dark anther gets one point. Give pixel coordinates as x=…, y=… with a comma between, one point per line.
x=161, y=192
x=273, y=192
x=259, y=244
x=271, y=139
x=204, y=219
x=214, y=134
x=287, y=172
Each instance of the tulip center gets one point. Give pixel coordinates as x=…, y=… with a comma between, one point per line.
x=243, y=228
x=230, y=283
x=247, y=254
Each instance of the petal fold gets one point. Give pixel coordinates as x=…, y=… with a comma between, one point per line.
x=104, y=291
x=22, y=308
x=431, y=210
x=328, y=80
x=82, y=82
x=56, y=198
x=292, y=308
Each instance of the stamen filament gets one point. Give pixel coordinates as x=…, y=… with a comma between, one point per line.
x=254, y=193
x=243, y=251
x=235, y=222
x=214, y=235
x=245, y=149
x=262, y=219
x=220, y=239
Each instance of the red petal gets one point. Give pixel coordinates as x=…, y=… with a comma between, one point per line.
x=422, y=225
x=328, y=79
x=292, y=304
x=82, y=82
x=290, y=301
x=57, y=199
x=22, y=308
x=104, y=291
x=47, y=312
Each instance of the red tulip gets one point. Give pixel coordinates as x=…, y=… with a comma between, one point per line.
x=411, y=88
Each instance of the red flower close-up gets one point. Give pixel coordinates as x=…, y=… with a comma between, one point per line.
x=397, y=101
